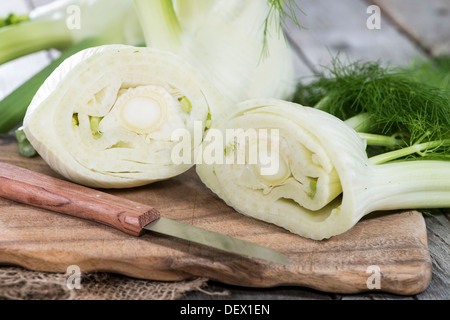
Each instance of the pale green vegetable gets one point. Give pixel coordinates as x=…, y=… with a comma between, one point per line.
x=106, y=115
x=238, y=45
x=324, y=183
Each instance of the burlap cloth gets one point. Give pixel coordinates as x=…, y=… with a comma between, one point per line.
x=20, y=284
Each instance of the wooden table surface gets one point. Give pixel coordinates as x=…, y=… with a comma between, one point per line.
x=408, y=29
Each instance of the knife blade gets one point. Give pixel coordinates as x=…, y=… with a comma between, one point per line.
x=43, y=191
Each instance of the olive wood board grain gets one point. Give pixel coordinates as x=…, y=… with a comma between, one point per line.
x=37, y=239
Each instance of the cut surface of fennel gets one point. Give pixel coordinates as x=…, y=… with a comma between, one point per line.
x=325, y=183
x=105, y=117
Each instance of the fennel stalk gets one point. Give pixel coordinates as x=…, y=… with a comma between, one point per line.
x=46, y=28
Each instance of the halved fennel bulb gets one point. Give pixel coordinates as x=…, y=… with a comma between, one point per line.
x=105, y=117
x=322, y=183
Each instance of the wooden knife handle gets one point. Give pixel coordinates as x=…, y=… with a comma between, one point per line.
x=39, y=190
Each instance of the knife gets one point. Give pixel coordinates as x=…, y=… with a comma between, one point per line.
x=43, y=191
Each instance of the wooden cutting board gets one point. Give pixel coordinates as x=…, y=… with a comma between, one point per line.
x=37, y=239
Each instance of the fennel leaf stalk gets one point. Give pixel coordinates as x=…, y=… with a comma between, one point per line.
x=21, y=39
x=163, y=29
x=398, y=103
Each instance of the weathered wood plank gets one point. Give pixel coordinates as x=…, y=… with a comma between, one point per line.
x=302, y=70
x=438, y=238
x=340, y=27
x=427, y=22
x=438, y=227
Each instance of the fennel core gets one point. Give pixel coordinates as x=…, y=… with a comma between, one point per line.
x=142, y=110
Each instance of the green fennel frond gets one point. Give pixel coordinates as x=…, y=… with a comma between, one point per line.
x=395, y=101
x=287, y=10
x=281, y=11
x=434, y=71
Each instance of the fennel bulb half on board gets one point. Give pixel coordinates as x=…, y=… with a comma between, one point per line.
x=324, y=182
x=106, y=115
